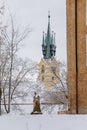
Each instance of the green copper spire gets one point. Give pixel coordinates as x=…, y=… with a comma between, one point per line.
x=48, y=30
x=48, y=55
x=48, y=46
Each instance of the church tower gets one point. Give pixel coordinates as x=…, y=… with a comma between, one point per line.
x=48, y=66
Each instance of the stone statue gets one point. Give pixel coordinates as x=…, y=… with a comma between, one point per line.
x=36, y=107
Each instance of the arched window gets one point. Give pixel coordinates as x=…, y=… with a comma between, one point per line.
x=42, y=78
x=42, y=69
x=53, y=78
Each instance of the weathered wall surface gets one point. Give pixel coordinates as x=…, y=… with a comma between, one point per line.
x=76, y=46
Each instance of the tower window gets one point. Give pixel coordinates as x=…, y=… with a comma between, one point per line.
x=42, y=69
x=53, y=69
x=52, y=77
x=42, y=78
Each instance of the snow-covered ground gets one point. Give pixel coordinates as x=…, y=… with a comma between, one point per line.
x=43, y=122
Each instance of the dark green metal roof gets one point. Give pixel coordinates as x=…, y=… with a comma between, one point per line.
x=48, y=45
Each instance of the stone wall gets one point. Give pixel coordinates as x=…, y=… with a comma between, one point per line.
x=76, y=54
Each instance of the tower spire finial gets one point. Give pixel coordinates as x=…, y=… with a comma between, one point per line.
x=48, y=16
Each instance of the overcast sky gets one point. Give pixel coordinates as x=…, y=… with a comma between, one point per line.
x=34, y=13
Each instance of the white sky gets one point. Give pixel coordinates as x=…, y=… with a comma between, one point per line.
x=35, y=14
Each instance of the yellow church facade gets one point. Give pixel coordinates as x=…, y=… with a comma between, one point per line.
x=49, y=73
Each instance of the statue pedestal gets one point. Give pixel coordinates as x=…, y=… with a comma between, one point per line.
x=36, y=113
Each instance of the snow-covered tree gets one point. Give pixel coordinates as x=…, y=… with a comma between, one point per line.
x=13, y=70
x=58, y=95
